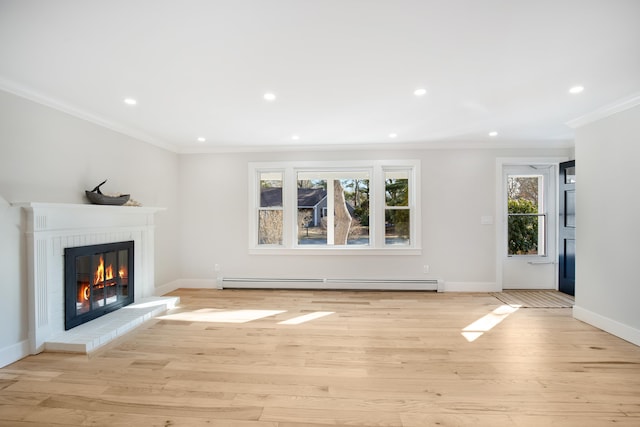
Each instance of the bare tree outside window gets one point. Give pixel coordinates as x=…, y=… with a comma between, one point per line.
x=270, y=213
x=397, y=208
x=342, y=216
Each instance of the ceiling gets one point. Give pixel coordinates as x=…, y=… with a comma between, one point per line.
x=343, y=72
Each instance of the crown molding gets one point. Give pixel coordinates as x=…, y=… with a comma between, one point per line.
x=608, y=110
x=415, y=146
x=27, y=93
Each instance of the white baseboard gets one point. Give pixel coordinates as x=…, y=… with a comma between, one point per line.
x=13, y=353
x=526, y=287
x=330, y=286
x=186, y=283
x=442, y=286
x=389, y=284
x=611, y=326
x=471, y=287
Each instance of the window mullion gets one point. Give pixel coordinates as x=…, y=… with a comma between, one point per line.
x=290, y=206
x=330, y=212
x=377, y=207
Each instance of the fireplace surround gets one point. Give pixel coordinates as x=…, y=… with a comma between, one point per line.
x=49, y=229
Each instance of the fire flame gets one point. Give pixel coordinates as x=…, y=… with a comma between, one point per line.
x=122, y=273
x=86, y=292
x=99, y=276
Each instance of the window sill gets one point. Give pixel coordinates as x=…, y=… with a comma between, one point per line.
x=336, y=251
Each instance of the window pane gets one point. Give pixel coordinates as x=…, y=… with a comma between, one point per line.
x=353, y=219
x=397, y=188
x=570, y=209
x=526, y=234
x=270, y=227
x=397, y=227
x=526, y=220
x=270, y=189
x=270, y=221
x=570, y=175
x=356, y=195
x=525, y=191
x=312, y=228
x=312, y=210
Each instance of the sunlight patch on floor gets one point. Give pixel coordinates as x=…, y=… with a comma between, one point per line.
x=306, y=318
x=221, y=316
x=488, y=322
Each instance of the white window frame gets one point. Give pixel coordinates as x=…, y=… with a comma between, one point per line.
x=547, y=235
x=270, y=208
x=376, y=244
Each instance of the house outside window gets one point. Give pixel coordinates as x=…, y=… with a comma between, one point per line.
x=351, y=207
x=270, y=209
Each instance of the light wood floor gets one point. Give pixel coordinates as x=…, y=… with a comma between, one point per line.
x=381, y=359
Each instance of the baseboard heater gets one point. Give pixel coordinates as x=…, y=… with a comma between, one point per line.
x=346, y=284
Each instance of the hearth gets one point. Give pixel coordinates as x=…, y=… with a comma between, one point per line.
x=98, y=280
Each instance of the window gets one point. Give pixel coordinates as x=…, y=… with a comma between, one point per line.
x=397, y=215
x=270, y=219
x=334, y=206
x=526, y=215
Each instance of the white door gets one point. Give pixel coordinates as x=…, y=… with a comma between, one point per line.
x=527, y=245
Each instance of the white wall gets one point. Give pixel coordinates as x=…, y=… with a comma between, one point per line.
x=457, y=189
x=13, y=289
x=608, y=225
x=50, y=156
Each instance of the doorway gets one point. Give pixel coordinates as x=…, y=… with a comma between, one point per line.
x=527, y=239
x=567, y=228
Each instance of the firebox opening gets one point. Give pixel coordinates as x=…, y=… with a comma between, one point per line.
x=98, y=280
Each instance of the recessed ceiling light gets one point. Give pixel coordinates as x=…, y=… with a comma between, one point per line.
x=393, y=135
x=269, y=96
x=420, y=92
x=576, y=89
x=201, y=139
x=130, y=101
x=295, y=137
x=493, y=133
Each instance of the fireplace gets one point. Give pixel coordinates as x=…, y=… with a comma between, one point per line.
x=98, y=280
x=51, y=228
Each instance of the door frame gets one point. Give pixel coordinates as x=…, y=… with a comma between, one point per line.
x=563, y=230
x=500, y=225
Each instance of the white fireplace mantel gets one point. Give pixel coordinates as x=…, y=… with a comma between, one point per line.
x=52, y=227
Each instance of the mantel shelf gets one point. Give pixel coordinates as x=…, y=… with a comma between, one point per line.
x=88, y=206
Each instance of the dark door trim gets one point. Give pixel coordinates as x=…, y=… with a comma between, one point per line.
x=567, y=227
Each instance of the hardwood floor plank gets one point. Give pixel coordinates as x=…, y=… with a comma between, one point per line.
x=332, y=417
x=514, y=420
x=168, y=407
x=48, y=417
